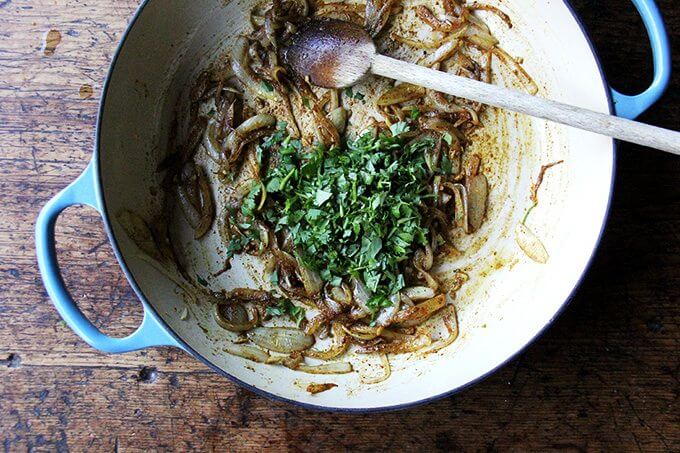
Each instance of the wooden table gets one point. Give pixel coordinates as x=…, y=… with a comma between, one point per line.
x=605, y=376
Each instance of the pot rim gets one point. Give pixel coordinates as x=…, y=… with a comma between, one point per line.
x=140, y=294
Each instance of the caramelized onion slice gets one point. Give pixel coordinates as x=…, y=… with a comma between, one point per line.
x=281, y=339
x=329, y=305
x=400, y=93
x=418, y=293
x=194, y=197
x=461, y=207
x=411, y=344
x=235, y=317
x=443, y=126
x=377, y=15
x=207, y=206
x=247, y=128
x=386, y=314
x=419, y=313
x=447, y=25
x=338, y=117
x=247, y=352
x=432, y=282
x=443, y=52
x=443, y=104
x=256, y=296
x=363, y=332
x=191, y=214
x=450, y=318
x=211, y=144
x=326, y=368
x=530, y=244
x=478, y=193
x=424, y=258
x=242, y=71
x=311, y=280
x=385, y=375
x=289, y=361
x=339, y=346
x=360, y=295
x=315, y=324
x=339, y=294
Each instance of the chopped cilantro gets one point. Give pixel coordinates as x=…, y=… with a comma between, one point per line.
x=447, y=166
x=352, y=211
x=237, y=243
x=305, y=102
x=349, y=92
x=286, y=307
x=322, y=196
x=248, y=206
x=201, y=280
x=267, y=86
x=398, y=128
x=377, y=302
x=415, y=113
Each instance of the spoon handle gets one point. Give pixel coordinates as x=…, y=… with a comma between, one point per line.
x=600, y=123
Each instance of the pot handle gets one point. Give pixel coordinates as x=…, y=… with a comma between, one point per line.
x=82, y=192
x=633, y=106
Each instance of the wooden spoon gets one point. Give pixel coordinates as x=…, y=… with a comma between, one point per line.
x=336, y=54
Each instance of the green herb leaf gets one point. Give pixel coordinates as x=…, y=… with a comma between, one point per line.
x=415, y=113
x=399, y=128
x=447, y=166
x=201, y=280
x=267, y=86
x=236, y=244
x=248, y=205
x=322, y=196
x=286, y=307
x=349, y=92
x=377, y=302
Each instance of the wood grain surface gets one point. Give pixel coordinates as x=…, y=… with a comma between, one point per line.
x=604, y=377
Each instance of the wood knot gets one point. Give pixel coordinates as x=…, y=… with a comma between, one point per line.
x=12, y=361
x=147, y=375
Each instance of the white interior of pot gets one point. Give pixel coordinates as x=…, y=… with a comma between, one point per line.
x=509, y=300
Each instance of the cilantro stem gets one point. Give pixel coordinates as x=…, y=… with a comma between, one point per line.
x=263, y=196
x=526, y=215
x=284, y=181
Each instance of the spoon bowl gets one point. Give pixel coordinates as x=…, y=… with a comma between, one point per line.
x=330, y=53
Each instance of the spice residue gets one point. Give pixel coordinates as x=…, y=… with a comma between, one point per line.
x=318, y=388
x=52, y=40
